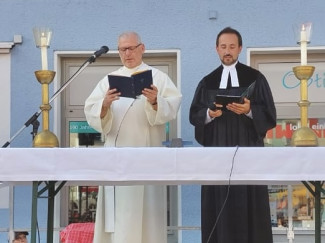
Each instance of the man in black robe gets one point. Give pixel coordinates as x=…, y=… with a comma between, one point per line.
x=245, y=217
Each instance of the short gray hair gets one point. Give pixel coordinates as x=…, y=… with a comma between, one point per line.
x=130, y=33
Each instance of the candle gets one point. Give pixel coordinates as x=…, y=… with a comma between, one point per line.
x=303, y=45
x=44, y=52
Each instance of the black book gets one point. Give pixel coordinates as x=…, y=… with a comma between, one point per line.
x=233, y=95
x=224, y=99
x=131, y=87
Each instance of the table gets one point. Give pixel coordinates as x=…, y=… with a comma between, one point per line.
x=159, y=165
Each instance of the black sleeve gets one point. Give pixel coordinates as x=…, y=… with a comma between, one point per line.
x=262, y=106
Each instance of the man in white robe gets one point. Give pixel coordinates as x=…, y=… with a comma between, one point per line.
x=138, y=213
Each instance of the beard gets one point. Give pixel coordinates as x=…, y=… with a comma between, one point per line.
x=228, y=60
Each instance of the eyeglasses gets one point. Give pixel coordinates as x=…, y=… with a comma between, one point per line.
x=21, y=239
x=130, y=48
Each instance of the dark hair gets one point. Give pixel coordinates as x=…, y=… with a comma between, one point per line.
x=229, y=30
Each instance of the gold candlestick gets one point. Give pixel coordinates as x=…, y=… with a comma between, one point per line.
x=304, y=136
x=45, y=139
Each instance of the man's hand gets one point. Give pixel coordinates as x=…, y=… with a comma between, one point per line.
x=110, y=96
x=216, y=112
x=151, y=94
x=240, y=108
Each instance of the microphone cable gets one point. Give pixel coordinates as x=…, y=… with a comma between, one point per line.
x=118, y=130
x=227, y=195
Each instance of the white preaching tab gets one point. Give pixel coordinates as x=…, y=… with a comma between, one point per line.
x=233, y=75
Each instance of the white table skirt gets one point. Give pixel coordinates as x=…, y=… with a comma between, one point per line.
x=170, y=166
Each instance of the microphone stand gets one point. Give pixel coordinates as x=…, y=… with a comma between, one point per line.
x=34, y=117
x=50, y=186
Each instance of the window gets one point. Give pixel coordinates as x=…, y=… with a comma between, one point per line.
x=6, y=191
x=296, y=198
x=292, y=206
x=5, y=67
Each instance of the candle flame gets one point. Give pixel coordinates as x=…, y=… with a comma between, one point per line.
x=303, y=27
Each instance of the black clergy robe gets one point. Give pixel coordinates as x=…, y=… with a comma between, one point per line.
x=246, y=215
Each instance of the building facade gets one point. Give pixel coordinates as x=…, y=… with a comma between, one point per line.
x=180, y=39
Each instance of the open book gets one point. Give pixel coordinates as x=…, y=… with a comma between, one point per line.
x=131, y=87
x=233, y=95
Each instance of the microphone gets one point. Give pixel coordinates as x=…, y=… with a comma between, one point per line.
x=102, y=50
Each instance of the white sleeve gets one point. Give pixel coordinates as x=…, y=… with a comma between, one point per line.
x=168, y=100
x=93, y=107
x=208, y=118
